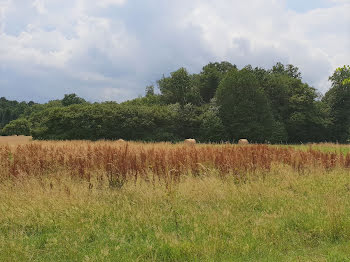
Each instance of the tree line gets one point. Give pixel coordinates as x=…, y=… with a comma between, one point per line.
x=221, y=103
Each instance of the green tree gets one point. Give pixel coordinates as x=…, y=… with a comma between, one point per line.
x=289, y=70
x=19, y=126
x=244, y=107
x=209, y=82
x=149, y=100
x=341, y=76
x=11, y=110
x=338, y=101
x=211, y=128
x=277, y=88
x=186, y=120
x=210, y=77
x=72, y=99
x=294, y=104
x=305, y=121
x=104, y=121
x=178, y=88
x=149, y=91
x=279, y=133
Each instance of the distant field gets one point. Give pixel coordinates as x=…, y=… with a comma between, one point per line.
x=324, y=147
x=119, y=201
x=15, y=140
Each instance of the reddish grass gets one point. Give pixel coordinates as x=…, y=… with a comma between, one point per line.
x=121, y=162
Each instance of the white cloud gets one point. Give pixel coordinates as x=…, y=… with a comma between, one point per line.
x=106, y=3
x=4, y=6
x=116, y=47
x=40, y=7
x=339, y=1
x=316, y=41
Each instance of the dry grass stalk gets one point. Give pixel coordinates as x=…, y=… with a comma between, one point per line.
x=122, y=162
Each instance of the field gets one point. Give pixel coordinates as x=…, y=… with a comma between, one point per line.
x=119, y=201
x=15, y=140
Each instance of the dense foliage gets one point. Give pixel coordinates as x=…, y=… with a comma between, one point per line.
x=11, y=110
x=338, y=101
x=221, y=103
x=244, y=108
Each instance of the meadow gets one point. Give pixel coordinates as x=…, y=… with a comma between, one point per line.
x=15, y=140
x=126, y=201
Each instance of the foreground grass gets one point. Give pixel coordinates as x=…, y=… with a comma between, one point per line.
x=281, y=216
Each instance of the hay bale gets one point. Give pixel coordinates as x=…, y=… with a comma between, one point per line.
x=243, y=142
x=190, y=141
x=120, y=140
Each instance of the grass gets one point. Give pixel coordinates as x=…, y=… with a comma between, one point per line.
x=15, y=140
x=280, y=214
x=325, y=147
x=284, y=217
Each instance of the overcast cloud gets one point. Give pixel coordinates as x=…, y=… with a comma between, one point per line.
x=112, y=49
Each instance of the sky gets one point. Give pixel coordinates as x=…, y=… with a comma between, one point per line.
x=106, y=50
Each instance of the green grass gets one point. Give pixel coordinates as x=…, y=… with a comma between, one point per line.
x=282, y=216
x=326, y=147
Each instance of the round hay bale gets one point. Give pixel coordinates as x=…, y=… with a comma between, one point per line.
x=190, y=141
x=120, y=140
x=243, y=142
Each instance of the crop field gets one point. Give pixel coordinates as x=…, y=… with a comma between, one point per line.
x=126, y=201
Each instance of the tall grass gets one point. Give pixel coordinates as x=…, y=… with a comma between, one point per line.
x=122, y=162
x=324, y=147
x=106, y=201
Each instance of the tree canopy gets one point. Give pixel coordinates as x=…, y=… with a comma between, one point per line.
x=338, y=101
x=244, y=107
x=220, y=103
